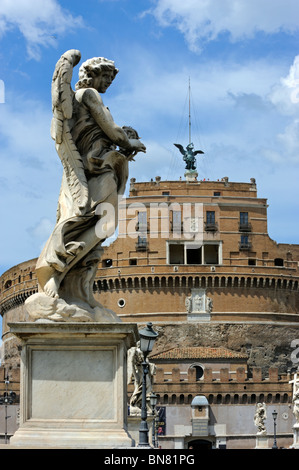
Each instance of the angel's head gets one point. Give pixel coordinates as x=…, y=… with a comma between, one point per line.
x=96, y=73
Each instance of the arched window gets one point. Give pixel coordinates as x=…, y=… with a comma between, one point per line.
x=269, y=398
x=199, y=371
x=244, y=399
x=285, y=398
x=253, y=398
x=227, y=399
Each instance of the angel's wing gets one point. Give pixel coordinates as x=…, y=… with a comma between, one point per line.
x=131, y=353
x=62, y=107
x=181, y=148
x=197, y=151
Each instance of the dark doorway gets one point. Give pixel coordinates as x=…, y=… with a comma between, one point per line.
x=200, y=444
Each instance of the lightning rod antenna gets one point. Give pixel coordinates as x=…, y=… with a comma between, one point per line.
x=189, y=114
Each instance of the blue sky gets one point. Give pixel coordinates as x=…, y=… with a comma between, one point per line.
x=242, y=58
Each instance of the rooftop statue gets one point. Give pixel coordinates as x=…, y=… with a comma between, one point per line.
x=95, y=153
x=260, y=417
x=135, y=372
x=189, y=155
x=295, y=397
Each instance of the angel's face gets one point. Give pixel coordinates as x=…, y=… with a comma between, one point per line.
x=102, y=81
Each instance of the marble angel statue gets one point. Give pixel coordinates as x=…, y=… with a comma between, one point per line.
x=95, y=153
x=295, y=397
x=135, y=372
x=260, y=417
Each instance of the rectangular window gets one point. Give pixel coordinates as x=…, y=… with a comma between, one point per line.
x=176, y=221
x=133, y=262
x=194, y=255
x=244, y=225
x=211, y=254
x=244, y=243
x=142, y=224
x=211, y=225
x=243, y=218
x=210, y=217
x=176, y=254
x=188, y=253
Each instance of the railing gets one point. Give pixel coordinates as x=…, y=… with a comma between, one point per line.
x=142, y=244
x=244, y=246
x=211, y=227
x=244, y=227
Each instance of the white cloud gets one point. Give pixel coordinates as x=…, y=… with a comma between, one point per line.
x=290, y=141
x=206, y=20
x=40, y=22
x=285, y=94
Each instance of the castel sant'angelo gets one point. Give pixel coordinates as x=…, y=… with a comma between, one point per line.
x=194, y=257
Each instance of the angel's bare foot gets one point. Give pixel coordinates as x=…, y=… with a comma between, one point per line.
x=51, y=287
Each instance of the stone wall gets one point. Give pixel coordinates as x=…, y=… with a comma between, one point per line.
x=267, y=344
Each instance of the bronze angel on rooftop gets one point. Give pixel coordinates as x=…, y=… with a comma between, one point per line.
x=95, y=153
x=189, y=155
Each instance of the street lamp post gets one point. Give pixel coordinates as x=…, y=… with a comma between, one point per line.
x=7, y=399
x=147, y=339
x=274, y=415
x=153, y=402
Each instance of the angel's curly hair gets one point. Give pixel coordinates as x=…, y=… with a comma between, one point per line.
x=92, y=67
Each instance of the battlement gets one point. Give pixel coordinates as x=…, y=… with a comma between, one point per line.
x=223, y=387
x=225, y=375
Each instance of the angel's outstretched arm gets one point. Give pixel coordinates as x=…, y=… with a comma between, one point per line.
x=91, y=98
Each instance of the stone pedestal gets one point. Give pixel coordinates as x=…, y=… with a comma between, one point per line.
x=134, y=426
x=262, y=442
x=295, y=444
x=191, y=175
x=74, y=384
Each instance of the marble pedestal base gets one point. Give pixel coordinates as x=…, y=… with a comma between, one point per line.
x=74, y=384
x=191, y=175
x=262, y=442
x=295, y=444
x=134, y=427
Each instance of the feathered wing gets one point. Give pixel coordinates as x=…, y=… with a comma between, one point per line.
x=131, y=353
x=197, y=151
x=62, y=107
x=181, y=148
